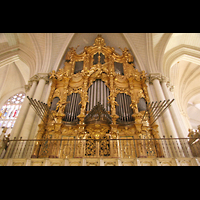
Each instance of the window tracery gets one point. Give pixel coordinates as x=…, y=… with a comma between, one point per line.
x=10, y=111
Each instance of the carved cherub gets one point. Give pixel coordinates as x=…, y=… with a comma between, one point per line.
x=61, y=106
x=113, y=103
x=134, y=106
x=84, y=100
x=66, y=74
x=60, y=74
x=70, y=53
x=53, y=74
x=56, y=93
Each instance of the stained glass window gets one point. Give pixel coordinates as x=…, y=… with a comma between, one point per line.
x=10, y=111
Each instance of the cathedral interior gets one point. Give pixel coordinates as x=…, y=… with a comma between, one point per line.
x=108, y=99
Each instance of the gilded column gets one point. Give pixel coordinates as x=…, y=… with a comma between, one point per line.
x=113, y=103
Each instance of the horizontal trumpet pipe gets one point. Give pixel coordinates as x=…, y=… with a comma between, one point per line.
x=163, y=110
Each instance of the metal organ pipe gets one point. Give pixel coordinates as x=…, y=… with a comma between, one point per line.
x=72, y=109
x=75, y=105
x=98, y=92
x=95, y=93
x=124, y=110
x=107, y=94
x=102, y=94
x=88, y=104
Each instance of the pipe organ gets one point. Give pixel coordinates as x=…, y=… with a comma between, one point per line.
x=97, y=94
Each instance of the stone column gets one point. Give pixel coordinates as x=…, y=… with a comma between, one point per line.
x=43, y=78
x=176, y=116
x=155, y=78
x=25, y=106
x=151, y=99
x=26, y=129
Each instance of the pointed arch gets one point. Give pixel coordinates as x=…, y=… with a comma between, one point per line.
x=182, y=52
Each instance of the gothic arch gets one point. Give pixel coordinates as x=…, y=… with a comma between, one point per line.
x=182, y=52
x=8, y=95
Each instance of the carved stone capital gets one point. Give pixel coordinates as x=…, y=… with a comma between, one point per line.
x=165, y=79
x=34, y=78
x=44, y=76
x=153, y=76
x=147, y=80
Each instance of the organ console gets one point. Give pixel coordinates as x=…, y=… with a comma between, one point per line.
x=98, y=80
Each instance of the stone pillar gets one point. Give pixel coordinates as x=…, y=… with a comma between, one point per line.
x=43, y=78
x=25, y=106
x=26, y=129
x=155, y=78
x=176, y=116
x=151, y=99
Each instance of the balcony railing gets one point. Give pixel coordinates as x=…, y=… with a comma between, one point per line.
x=111, y=148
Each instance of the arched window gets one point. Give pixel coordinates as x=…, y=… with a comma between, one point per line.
x=10, y=111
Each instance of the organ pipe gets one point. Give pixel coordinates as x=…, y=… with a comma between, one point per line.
x=72, y=109
x=98, y=92
x=124, y=110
